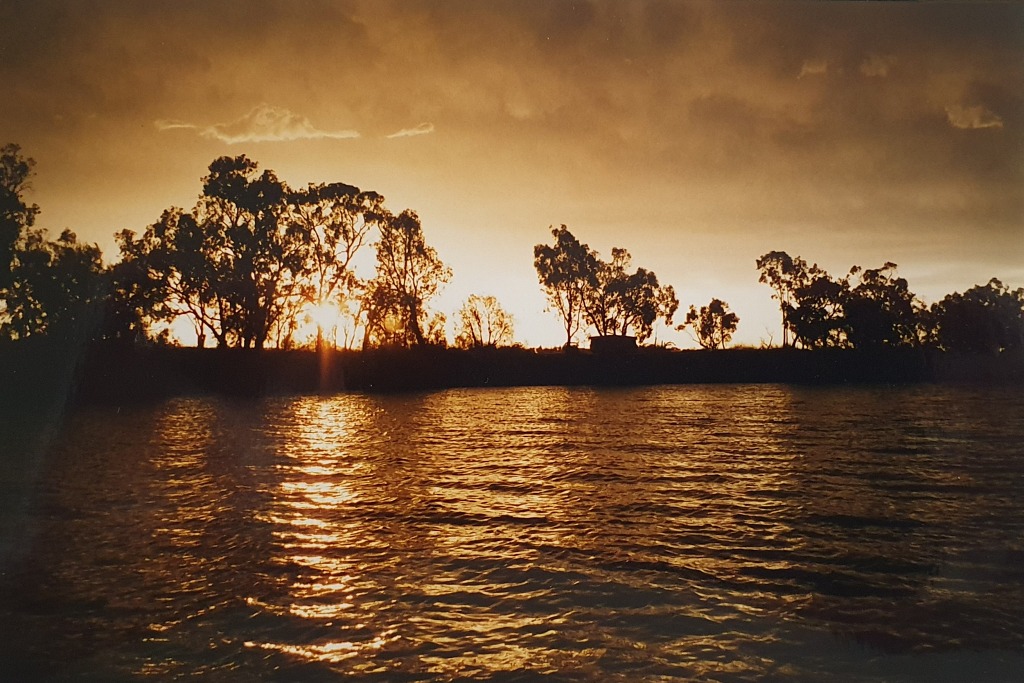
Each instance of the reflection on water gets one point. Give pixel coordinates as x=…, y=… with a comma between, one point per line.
x=709, y=533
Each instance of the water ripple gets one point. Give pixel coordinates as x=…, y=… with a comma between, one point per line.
x=698, y=533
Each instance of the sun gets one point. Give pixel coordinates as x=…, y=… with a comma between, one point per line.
x=324, y=315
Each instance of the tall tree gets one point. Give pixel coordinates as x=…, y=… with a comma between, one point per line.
x=984, y=319
x=335, y=221
x=16, y=216
x=136, y=293
x=815, y=310
x=173, y=259
x=618, y=302
x=234, y=265
x=258, y=260
x=409, y=274
x=713, y=326
x=483, y=322
x=57, y=288
x=565, y=270
x=880, y=310
x=784, y=274
x=811, y=301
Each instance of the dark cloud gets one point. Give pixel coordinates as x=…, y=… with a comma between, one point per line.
x=817, y=121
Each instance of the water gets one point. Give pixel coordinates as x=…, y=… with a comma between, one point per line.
x=724, y=533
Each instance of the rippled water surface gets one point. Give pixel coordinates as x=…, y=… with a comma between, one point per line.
x=669, y=533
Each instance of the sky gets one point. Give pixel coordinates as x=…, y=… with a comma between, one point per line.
x=696, y=135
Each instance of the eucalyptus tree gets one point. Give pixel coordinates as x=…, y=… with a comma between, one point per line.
x=784, y=274
x=811, y=301
x=617, y=302
x=880, y=311
x=409, y=273
x=335, y=221
x=47, y=287
x=483, y=322
x=171, y=260
x=233, y=265
x=713, y=325
x=566, y=271
x=257, y=258
x=584, y=289
x=986, y=318
x=57, y=288
x=16, y=216
x=816, y=310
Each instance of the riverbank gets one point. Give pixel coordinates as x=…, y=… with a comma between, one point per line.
x=118, y=374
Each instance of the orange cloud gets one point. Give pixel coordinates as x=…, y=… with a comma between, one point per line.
x=264, y=123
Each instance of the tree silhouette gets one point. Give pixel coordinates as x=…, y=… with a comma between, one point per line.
x=713, y=326
x=564, y=270
x=56, y=287
x=984, y=319
x=46, y=287
x=483, y=322
x=880, y=311
x=615, y=300
x=810, y=300
x=257, y=258
x=335, y=221
x=173, y=258
x=815, y=308
x=784, y=275
x=583, y=288
x=409, y=273
x=233, y=265
x=135, y=293
x=15, y=215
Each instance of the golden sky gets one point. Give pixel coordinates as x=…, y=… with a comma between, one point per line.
x=697, y=135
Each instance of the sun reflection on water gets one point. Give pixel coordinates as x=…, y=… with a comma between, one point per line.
x=674, y=533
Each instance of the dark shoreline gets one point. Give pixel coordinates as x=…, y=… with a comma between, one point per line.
x=107, y=374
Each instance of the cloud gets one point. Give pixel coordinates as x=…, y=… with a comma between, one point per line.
x=813, y=67
x=264, y=123
x=171, y=124
x=422, y=129
x=877, y=66
x=972, y=117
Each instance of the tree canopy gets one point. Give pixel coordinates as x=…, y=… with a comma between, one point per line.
x=713, y=325
x=409, y=274
x=483, y=322
x=582, y=288
x=254, y=261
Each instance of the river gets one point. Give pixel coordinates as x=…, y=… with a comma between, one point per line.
x=721, y=533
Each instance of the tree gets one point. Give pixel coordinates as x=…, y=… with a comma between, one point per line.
x=815, y=310
x=256, y=258
x=172, y=260
x=881, y=310
x=713, y=326
x=15, y=215
x=583, y=288
x=784, y=275
x=409, y=274
x=335, y=221
x=616, y=301
x=984, y=319
x=483, y=322
x=564, y=270
x=811, y=301
x=233, y=265
x=56, y=288
x=135, y=294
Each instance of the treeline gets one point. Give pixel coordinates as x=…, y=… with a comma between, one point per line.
x=875, y=309
x=256, y=263
x=249, y=266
